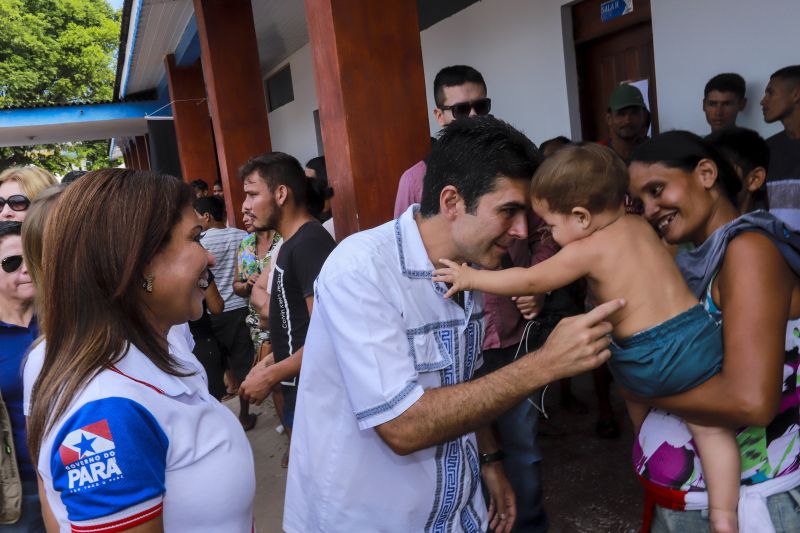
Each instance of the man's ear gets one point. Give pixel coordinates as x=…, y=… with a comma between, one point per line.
x=706, y=171
x=281, y=194
x=742, y=103
x=438, y=114
x=583, y=216
x=755, y=179
x=796, y=93
x=449, y=201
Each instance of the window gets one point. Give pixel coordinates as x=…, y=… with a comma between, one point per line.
x=279, y=88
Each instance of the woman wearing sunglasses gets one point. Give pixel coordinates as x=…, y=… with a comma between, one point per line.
x=122, y=428
x=20, y=185
x=19, y=508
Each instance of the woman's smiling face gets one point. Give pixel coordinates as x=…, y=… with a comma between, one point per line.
x=675, y=201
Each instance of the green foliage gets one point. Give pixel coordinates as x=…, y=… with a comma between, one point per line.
x=57, y=52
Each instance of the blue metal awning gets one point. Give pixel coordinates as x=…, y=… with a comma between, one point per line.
x=81, y=122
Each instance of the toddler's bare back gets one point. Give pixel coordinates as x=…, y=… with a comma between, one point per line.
x=629, y=261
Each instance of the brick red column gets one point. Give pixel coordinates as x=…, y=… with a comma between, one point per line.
x=372, y=104
x=232, y=72
x=193, y=130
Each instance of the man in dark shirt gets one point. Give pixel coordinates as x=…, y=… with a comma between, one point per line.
x=275, y=191
x=723, y=100
x=782, y=102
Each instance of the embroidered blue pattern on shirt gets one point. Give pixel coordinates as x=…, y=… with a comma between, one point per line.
x=386, y=406
x=457, y=468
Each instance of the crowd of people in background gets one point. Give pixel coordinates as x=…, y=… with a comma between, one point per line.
x=129, y=307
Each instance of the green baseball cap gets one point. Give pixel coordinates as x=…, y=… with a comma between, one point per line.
x=625, y=96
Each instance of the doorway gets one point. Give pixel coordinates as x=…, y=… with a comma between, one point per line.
x=611, y=47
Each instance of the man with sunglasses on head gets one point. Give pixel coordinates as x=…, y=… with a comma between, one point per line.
x=459, y=91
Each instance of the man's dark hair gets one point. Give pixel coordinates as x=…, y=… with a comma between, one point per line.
x=317, y=164
x=218, y=182
x=470, y=154
x=10, y=227
x=213, y=205
x=790, y=74
x=728, y=82
x=553, y=144
x=72, y=175
x=277, y=168
x=452, y=77
x=742, y=147
x=199, y=185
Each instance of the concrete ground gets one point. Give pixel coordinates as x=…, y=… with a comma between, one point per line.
x=588, y=482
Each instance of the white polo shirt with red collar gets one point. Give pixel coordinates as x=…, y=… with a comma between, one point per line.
x=137, y=443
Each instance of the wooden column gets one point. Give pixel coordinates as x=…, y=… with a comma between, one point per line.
x=232, y=72
x=373, y=109
x=126, y=153
x=133, y=150
x=142, y=152
x=195, y=136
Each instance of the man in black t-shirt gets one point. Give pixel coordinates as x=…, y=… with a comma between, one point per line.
x=275, y=191
x=781, y=102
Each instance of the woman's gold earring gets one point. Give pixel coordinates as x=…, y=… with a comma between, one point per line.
x=147, y=283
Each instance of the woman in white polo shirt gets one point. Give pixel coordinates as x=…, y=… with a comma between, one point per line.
x=124, y=432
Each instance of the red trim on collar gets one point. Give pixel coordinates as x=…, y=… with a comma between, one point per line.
x=146, y=384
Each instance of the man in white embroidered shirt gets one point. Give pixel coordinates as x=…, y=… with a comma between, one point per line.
x=389, y=432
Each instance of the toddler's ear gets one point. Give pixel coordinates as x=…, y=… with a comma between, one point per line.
x=582, y=216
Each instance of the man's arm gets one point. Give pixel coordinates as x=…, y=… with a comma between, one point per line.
x=261, y=378
x=259, y=295
x=242, y=287
x=576, y=345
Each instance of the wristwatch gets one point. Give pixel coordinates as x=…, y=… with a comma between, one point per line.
x=486, y=458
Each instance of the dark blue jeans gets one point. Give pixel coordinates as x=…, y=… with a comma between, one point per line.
x=517, y=432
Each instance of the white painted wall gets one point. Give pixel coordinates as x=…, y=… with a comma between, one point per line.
x=291, y=126
x=519, y=47
x=694, y=40
x=515, y=44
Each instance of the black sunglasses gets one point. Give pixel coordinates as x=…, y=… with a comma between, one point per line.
x=11, y=263
x=16, y=202
x=482, y=106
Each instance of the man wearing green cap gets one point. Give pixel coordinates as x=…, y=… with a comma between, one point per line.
x=625, y=118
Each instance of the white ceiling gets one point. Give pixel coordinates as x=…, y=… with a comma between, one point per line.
x=280, y=29
x=161, y=25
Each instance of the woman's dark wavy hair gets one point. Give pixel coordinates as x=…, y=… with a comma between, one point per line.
x=98, y=240
x=684, y=150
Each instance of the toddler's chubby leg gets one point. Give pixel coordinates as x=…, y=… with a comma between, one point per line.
x=719, y=455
